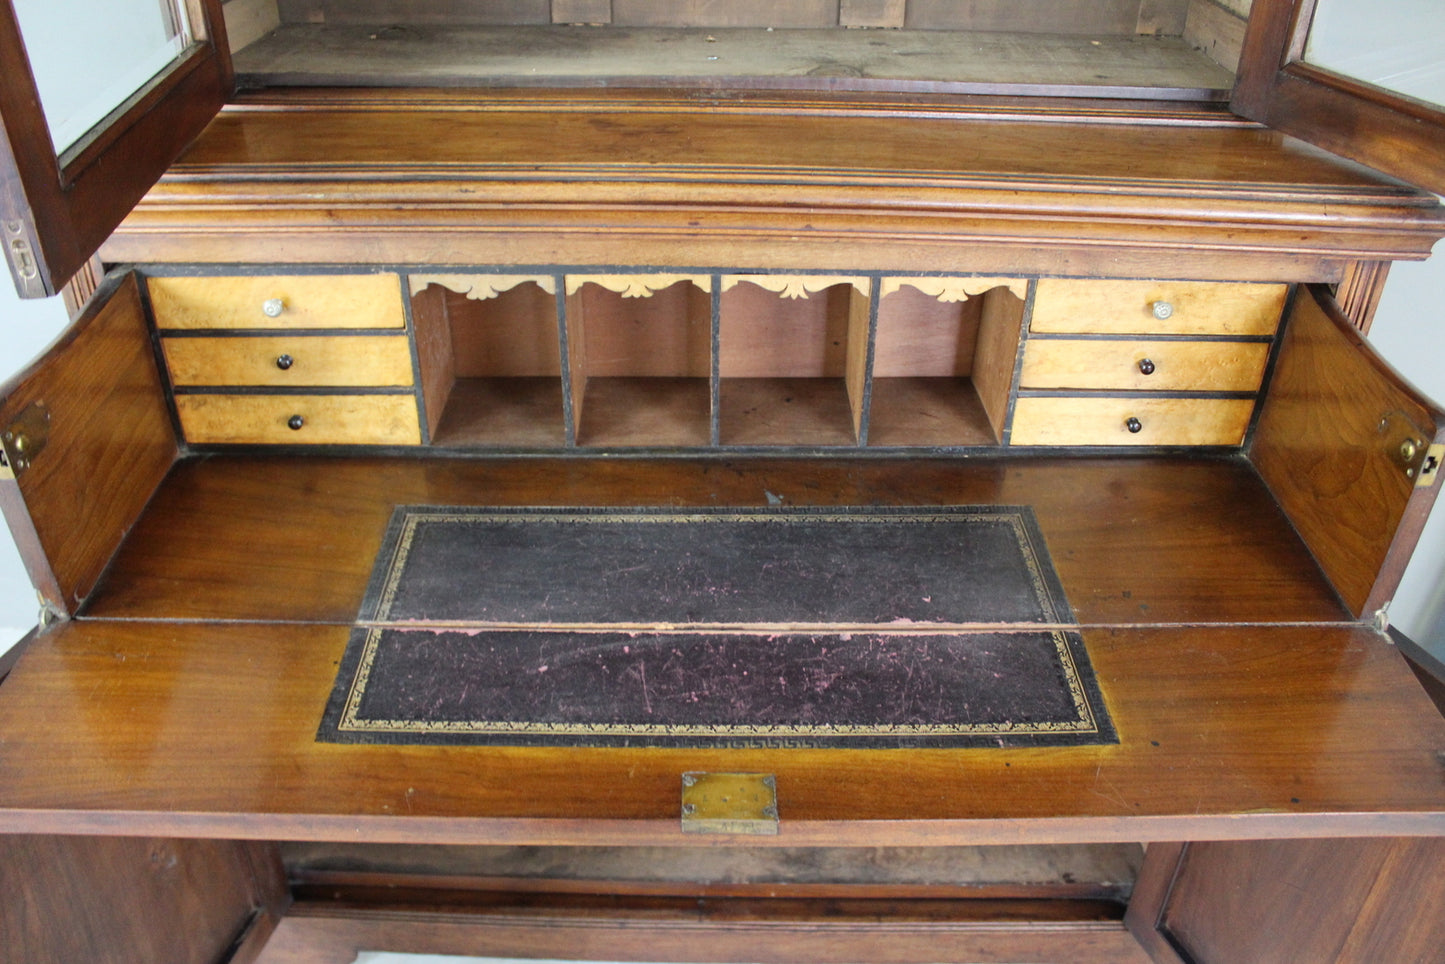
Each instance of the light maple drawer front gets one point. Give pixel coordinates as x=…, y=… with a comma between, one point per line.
x=1108, y=421
x=371, y=361
x=1177, y=366
x=1189, y=307
x=299, y=419
x=299, y=301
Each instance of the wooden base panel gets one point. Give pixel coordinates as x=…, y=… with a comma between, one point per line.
x=662, y=412
x=336, y=928
x=928, y=411
x=510, y=412
x=784, y=411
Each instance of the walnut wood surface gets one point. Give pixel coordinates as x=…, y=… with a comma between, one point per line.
x=1343, y=901
x=209, y=729
x=1327, y=445
x=116, y=900
x=110, y=444
x=1077, y=871
x=546, y=178
x=1133, y=539
x=793, y=931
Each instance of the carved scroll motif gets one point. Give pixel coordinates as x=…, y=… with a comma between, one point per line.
x=795, y=286
x=955, y=289
x=636, y=285
x=480, y=287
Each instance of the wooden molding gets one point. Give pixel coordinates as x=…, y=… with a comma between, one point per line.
x=480, y=287
x=1359, y=292
x=795, y=286
x=636, y=285
x=955, y=289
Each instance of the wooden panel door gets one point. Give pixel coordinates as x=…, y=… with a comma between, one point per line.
x=59, y=202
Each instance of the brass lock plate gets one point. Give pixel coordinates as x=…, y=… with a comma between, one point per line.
x=23, y=439
x=732, y=803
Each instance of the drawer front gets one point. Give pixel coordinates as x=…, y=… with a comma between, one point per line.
x=1177, y=366
x=279, y=302
x=1105, y=421
x=324, y=419
x=372, y=361
x=1124, y=307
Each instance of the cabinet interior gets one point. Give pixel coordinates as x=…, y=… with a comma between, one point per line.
x=1179, y=49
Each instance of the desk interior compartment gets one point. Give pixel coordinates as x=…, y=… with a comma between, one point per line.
x=489, y=353
x=639, y=357
x=792, y=359
x=943, y=360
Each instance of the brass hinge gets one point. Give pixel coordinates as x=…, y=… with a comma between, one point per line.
x=23, y=439
x=744, y=803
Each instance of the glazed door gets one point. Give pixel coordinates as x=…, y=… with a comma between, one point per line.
x=96, y=101
x=1360, y=79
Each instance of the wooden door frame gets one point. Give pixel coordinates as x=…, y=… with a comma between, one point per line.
x=1396, y=134
x=55, y=212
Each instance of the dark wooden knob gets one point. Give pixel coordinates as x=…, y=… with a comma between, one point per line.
x=285, y=362
x=1134, y=426
x=295, y=422
x=1146, y=366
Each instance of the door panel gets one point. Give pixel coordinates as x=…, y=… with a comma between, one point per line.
x=1350, y=450
x=1399, y=135
x=56, y=209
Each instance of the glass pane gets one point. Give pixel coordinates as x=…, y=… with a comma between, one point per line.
x=89, y=57
x=1395, y=44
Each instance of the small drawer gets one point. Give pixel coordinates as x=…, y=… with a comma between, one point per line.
x=371, y=361
x=280, y=302
x=299, y=419
x=1157, y=307
x=1176, y=366
x=1107, y=421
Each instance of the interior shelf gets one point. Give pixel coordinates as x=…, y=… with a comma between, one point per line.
x=389, y=53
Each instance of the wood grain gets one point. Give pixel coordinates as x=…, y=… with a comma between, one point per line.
x=1076, y=420
x=534, y=177
x=667, y=334
x=1207, y=366
x=1122, y=307
x=310, y=301
x=785, y=411
x=1000, y=328
x=1292, y=731
x=431, y=329
x=109, y=432
x=921, y=336
x=647, y=411
x=765, y=335
x=1349, y=901
x=114, y=900
x=1077, y=872
x=1327, y=446
x=502, y=412
x=328, y=419
x=1216, y=31
x=358, y=360
x=928, y=411
x=871, y=13
x=1133, y=539
x=800, y=931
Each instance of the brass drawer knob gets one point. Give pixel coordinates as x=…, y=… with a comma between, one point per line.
x=1162, y=310
x=286, y=361
x=1146, y=366
x=1134, y=425
x=295, y=422
x=272, y=307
